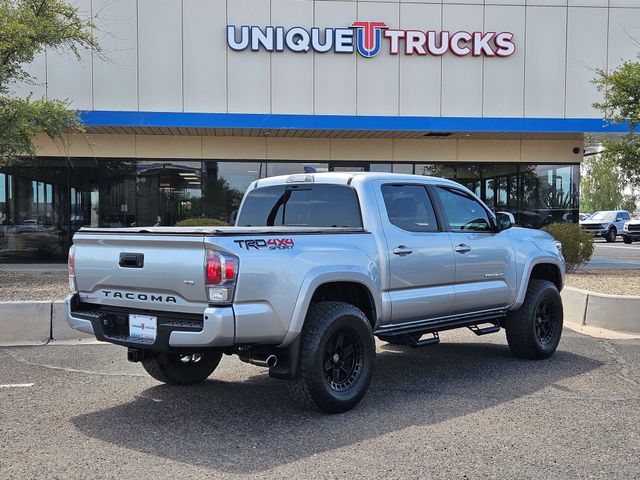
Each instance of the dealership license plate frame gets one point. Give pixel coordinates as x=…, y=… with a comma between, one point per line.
x=146, y=328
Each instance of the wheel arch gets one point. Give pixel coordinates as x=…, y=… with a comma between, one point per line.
x=354, y=285
x=543, y=268
x=353, y=293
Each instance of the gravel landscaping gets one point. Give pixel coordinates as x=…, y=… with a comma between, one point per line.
x=24, y=286
x=614, y=282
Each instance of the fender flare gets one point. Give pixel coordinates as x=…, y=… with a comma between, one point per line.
x=328, y=274
x=540, y=258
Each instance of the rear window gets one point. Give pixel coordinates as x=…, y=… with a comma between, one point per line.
x=301, y=206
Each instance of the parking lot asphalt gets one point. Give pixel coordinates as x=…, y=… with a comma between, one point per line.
x=462, y=409
x=616, y=255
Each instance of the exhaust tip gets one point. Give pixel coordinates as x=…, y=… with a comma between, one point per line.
x=271, y=361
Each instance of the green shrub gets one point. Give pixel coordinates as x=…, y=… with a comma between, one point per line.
x=201, y=222
x=577, y=244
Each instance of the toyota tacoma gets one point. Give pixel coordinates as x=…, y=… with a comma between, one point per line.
x=316, y=267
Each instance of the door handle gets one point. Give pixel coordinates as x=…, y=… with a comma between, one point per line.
x=462, y=248
x=402, y=250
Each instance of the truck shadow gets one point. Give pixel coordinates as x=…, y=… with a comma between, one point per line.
x=247, y=427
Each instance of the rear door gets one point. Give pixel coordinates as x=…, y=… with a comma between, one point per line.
x=420, y=253
x=485, y=268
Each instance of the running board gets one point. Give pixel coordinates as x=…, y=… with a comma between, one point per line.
x=485, y=330
x=409, y=340
x=448, y=323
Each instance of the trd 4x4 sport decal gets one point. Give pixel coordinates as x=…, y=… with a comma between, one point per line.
x=271, y=244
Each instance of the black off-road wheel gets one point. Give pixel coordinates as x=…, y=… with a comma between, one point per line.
x=337, y=354
x=627, y=239
x=179, y=369
x=534, y=330
x=611, y=235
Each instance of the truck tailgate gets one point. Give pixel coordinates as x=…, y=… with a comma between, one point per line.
x=151, y=271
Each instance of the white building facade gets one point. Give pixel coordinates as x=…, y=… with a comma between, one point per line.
x=191, y=100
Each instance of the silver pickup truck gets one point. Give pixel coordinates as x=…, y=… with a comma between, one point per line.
x=316, y=266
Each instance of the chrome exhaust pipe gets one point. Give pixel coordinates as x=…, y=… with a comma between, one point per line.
x=269, y=361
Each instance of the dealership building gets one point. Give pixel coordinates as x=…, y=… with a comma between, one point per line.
x=192, y=100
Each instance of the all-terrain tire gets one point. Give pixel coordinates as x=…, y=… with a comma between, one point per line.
x=175, y=369
x=534, y=330
x=611, y=235
x=627, y=239
x=337, y=355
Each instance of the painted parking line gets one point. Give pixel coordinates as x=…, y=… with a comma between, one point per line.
x=626, y=247
x=16, y=385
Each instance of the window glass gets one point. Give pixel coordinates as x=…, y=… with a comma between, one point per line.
x=403, y=168
x=380, y=167
x=313, y=206
x=549, y=194
x=436, y=170
x=169, y=192
x=225, y=185
x=274, y=169
x=463, y=212
x=409, y=207
x=603, y=216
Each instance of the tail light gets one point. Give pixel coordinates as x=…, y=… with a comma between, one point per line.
x=72, y=270
x=220, y=275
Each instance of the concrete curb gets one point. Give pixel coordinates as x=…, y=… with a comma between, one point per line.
x=619, y=313
x=25, y=323
x=36, y=323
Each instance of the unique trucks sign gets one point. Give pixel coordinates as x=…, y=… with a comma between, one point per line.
x=367, y=38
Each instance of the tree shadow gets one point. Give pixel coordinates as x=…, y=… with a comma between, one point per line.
x=247, y=427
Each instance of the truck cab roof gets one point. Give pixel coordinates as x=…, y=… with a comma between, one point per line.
x=347, y=178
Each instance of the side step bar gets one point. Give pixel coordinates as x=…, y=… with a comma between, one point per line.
x=410, y=334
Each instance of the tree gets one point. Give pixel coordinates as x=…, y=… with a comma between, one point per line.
x=601, y=183
x=27, y=27
x=629, y=203
x=621, y=103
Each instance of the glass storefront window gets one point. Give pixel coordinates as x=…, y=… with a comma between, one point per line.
x=168, y=192
x=44, y=201
x=225, y=185
x=403, y=168
x=380, y=167
x=289, y=168
x=34, y=210
x=549, y=194
x=500, y=186
x=436, y=170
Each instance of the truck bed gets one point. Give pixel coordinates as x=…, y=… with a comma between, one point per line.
x=220, y=231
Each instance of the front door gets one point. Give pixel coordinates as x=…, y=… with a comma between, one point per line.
x=485, y=271
x=421, y=264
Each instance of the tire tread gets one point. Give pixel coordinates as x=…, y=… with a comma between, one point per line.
x=304, y=388
x=519, y=338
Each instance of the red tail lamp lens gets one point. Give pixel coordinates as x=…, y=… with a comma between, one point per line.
x=230, y=269
x=72, y=266
x=214, y=269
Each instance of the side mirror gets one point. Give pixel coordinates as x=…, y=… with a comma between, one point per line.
x=505, y=220
x=618, y=219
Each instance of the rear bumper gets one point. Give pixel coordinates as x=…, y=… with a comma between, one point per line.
x=214, y=328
